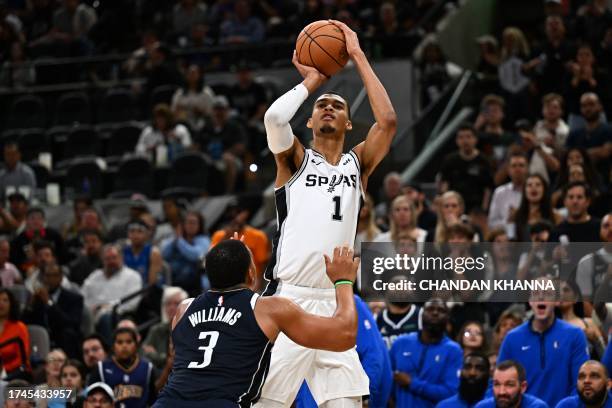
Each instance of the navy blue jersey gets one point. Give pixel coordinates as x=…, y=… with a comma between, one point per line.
x=392, y=326
x=221, y=354
x=131, y=385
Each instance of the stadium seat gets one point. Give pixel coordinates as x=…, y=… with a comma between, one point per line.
x=135, y=175
x=27, y=111
x=87, y=322
x=117, y=106
x=82, y=141
x=22, y=295
x=39, y=342
x=41, y=172
x=31, y=143
x=162, y=94
x=71, y=108
x=123, y=139
x=84, y=176
x=188, y=175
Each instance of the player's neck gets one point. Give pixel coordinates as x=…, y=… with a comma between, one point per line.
x=330, y=148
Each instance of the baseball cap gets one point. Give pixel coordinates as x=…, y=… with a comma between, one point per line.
x=137, y=224
x=101, y=386
x=220, y=101
x=138, y=201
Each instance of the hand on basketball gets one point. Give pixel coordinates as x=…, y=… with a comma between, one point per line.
x=308, y=72
x=352, y=41
x=343, y=265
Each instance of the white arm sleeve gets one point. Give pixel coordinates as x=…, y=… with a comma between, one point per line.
x=278, y=115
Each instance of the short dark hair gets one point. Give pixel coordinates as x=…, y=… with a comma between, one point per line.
x=34, y=210
x=42, y=244
x=466, y=126
x=227, y=264
x=76, y=364
x=124, y=330
x=91, y=231
x=200, y=217
x=540, y=226
x=477, y=354
x=13, y=304
x=585, y=186
x=348, y=106
x=460, y=228
x=492, y=99
x=508, y=364
x=517, y=153
x=96, y=336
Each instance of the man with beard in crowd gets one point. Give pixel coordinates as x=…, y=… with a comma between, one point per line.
x=473, y=383
x=426, y=363
x=398, y=317
x=509, y=386
x=593, y=388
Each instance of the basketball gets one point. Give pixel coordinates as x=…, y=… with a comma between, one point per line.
x=322, y=45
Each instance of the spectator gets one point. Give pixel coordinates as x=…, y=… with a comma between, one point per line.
x=172, y=209
x=15, y=175
x=508, y=320
x=137, y=208
x=473, y=382
x=507, y=197
x=163, y=132
x=240, y=26
x=17, y=72
x=535, y=262
x=397, y=318
x=13, y=221
x=572, y=311
x=542, y=159
x=193, y=102
x=535, y=206
x=186, y=14
x=58, y=310
x=99, y=395
x=472, y=338
x=488, y=62
x=94, y=350
x=12, y=360
x=467, y=171
x=579, y=225
x=578, y=160
x=426, y=218
x=596, y=137
x=435, y=71
x=155, y=345
x=53, y=366
x=387, y=31
x=90, y=257
x=162, y=69
x=225, y=140
x=514, y=53
x=451, y=211
x=552, y=129
x=39, y=19
x=593, y=268
x=493, y=140
x=392, y=187
x=594, y=18
x=108, y=285
x=90, y=221
x=79, y=205
x=403, y=220
x=426, y=363
x=509, y=388
x=367, y=231
x=9, y=274
x=44, y=255
x=21, y=401
x=585, y=78
x=248, y=97
x=72, y=377
x=136, y=64
x=548, y=348
x=184, y=252
x=140, y=255
x=131, y=378
x=35, y=229
x=593, y=388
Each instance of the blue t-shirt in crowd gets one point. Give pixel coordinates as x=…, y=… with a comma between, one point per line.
x=529, y=401
x=455, y=402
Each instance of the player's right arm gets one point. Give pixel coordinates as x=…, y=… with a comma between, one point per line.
x=287, y=149
x=337, y=333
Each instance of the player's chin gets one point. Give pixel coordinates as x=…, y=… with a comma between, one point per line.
x=327, y=129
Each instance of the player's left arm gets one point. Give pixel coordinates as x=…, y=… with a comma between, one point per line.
x=181, y=311
x=378, y=141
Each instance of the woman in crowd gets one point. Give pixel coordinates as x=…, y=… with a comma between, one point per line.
x=164, y=131
x=576, y=165
x=514, y=52
x=472, y=338
x=53, y=365
x=11, y=326
x=451, y=210
x=403, y=219
x=535, y=206
x=367, y=231
x=184, y=251
x=155, y=345
x=193, y=102
x=72, y=376
x=507, y=321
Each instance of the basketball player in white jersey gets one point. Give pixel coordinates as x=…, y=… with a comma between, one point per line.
x=318, y=197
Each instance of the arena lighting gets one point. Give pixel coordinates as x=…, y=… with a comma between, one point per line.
x=253, y=168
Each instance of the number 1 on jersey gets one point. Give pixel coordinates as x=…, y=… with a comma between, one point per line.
x=336, y=216
x=208, y=350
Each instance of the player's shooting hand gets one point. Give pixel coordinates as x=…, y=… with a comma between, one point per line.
x=343, y=266
x=308, y=72
x=238, y=237
x=402, y=379
x=352, y=41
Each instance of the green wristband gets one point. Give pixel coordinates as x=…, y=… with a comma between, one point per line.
x=343, y=282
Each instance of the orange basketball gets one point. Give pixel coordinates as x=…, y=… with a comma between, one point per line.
x=322, y=45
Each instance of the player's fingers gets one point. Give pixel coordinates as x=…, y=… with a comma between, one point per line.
x=337, y=252
x=327, y=260
x=241, y=238
x=356, y=261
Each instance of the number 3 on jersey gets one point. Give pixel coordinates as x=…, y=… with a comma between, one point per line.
x=213, y=336
x=336, y=216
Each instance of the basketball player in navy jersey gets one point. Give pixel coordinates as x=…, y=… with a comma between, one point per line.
x=318, y=197
x=222, y=339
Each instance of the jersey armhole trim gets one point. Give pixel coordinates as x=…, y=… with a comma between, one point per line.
x=297, y=173
x=254, y=299
x=352, y=152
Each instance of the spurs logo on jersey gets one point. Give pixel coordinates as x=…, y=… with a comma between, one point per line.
x=317, y=209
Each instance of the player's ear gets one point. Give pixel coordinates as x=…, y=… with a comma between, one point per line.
x=309, y=123
x=349, y=125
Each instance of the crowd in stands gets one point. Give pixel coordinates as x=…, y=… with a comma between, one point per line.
x=533, y=167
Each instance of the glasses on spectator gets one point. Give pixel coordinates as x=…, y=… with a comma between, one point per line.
x=472, y=332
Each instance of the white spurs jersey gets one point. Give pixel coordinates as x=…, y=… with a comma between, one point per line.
x=316, y=210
